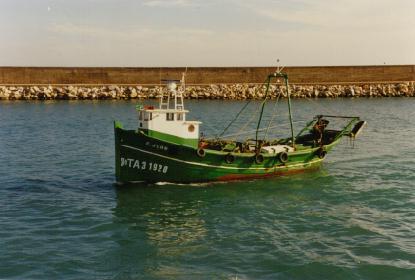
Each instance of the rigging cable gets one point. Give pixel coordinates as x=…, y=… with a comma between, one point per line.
x=261, y=129
x=273, y=116
x=239, y=113
x=249, y=121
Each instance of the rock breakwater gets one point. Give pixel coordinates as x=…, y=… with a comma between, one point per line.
x=214, y=91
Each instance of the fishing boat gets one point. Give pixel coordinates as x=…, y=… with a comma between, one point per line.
x=166, y=147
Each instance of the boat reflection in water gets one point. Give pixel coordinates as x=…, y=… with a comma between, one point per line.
x=158, y=223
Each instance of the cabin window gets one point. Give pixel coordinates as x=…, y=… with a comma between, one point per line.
x=140, y=115
x=179, y=116
x=148, y=116
x=170, y=116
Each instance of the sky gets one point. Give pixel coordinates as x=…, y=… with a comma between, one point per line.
x=178, y=33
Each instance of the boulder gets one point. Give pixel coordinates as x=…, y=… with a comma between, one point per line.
x=132, y=92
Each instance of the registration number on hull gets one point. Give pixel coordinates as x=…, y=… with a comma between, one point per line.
x=143, y=165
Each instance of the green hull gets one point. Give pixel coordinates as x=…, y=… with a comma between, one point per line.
x=139, y=157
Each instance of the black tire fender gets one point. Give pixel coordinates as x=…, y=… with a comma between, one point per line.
x=201, y=152
x=321, y=153
x=229, y=158
x=259, y=158
x=283, y=157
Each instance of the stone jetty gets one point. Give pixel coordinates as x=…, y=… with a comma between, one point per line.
x=212, y=91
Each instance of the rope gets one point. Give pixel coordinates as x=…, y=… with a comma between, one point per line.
x=229, y=125
x=249, y=121
x=243, y=108
x=250, y=131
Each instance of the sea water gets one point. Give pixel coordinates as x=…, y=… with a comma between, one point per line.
x=62, y=216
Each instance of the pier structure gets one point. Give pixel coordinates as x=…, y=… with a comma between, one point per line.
x=44, y=83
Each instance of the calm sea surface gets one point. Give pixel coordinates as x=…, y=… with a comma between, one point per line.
x=62, y=217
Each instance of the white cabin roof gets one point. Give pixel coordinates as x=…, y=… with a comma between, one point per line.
x=172, y=110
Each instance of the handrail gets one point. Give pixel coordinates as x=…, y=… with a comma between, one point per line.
x=339, y=117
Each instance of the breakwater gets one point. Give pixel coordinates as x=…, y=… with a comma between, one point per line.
x=65, y=83
x=202, y=75
x=213, y=91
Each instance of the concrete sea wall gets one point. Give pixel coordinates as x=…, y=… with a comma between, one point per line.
x=201, y=75
x=43, y=83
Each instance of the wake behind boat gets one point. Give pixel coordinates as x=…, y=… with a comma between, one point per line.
x=167, y=147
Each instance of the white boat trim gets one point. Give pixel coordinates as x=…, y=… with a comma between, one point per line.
x=219, y=166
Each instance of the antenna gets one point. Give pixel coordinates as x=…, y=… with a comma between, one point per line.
x=183, y=80
x=279, y=69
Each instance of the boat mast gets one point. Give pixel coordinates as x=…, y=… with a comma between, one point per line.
x=289, y=110
x=275, y=75
x=257, y=148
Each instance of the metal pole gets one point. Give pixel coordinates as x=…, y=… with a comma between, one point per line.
x=260, y=116
x=289, y=110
